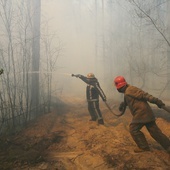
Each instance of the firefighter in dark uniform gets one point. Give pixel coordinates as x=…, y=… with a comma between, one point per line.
x=137, y=101
x=93, y=91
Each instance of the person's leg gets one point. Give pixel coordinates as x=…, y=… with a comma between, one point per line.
x=138, y=137
x=91, y=111
x=98, y=112
x=157, y=134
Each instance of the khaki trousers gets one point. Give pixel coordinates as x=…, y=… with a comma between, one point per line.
x=154, y=131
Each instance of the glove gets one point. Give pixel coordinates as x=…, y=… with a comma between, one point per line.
x=104, y=99
x=159, y=103
x=1, y=71
x=121, y=106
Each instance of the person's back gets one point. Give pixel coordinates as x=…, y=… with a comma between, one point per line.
x=136, y=99
x=138, y=105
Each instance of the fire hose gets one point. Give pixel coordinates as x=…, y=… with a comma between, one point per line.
x=163, y=107
x=166, y=109
x=114, y=112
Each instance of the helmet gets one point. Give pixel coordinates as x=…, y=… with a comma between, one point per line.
x=90, y=75
x=120, y=82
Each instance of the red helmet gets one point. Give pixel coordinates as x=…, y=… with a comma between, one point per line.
x=120, y=82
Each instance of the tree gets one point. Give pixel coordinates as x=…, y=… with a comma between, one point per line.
x=36, y=55
x=161, y=29
x=168, y=44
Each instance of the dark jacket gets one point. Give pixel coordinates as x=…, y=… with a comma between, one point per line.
x=137, y=101
x=93, y=89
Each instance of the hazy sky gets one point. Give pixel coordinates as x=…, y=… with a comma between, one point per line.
x=78, y=41
x=75, y=28
x=74, y=23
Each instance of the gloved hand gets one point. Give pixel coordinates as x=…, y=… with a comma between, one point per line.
x=104, y=100
x=75, y=75
x=1, y=71
x=121, y=106
x=159, y=103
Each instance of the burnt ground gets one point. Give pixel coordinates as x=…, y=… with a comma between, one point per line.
x=66, y=140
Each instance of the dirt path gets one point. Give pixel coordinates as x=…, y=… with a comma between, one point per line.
x=67, y=140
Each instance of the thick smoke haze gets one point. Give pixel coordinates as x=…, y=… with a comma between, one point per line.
x=44, y=42
x=105, y=37
x=109, y=38
x=75, y=23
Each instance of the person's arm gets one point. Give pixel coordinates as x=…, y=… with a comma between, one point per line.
x=141, y=95
x=83, y=78
x=123, y=106
x=153, y=100
x=100, y=91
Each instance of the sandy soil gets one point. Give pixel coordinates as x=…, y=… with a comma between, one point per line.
x=66, y=140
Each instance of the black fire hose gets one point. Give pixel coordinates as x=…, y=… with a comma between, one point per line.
x=166, y=109
x=118, y=115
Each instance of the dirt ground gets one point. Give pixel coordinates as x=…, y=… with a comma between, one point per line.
x=66, y=140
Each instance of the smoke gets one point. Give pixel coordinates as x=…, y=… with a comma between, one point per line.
x=107, y=40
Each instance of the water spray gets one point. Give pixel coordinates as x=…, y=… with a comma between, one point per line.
x=47, y=72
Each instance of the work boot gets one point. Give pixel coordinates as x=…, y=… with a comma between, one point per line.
x=92, y=120
x=100, y=121
x=141, y=142
x=138, y=150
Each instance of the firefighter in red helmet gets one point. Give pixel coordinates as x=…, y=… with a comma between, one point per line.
x=120, y=82
x=137, y=101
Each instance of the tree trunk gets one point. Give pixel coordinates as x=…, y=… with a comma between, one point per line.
x=103, y=43
x=168, y=47
x=36, y=55
x=96, y=36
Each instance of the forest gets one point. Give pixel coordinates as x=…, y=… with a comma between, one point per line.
x=44, y=42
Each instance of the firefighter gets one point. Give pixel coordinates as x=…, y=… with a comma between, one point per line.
x=93, y=91
x=137, y=101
